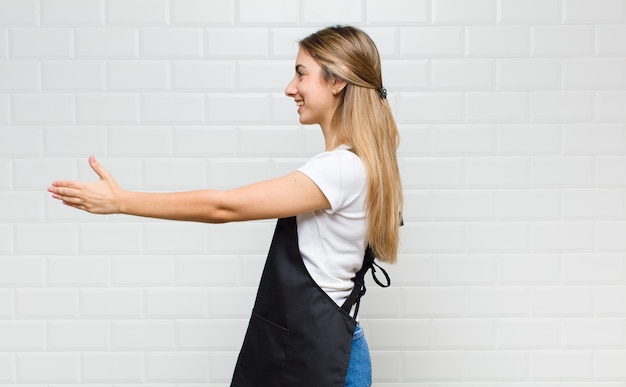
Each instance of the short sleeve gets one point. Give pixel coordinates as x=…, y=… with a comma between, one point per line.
x=339, y=174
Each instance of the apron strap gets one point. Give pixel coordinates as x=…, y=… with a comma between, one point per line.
x=354, y=299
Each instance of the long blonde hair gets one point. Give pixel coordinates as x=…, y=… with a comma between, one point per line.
x=364, y=121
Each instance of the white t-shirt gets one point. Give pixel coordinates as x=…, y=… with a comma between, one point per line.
x=332, y=242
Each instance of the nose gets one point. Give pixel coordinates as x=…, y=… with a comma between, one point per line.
x=290, y=90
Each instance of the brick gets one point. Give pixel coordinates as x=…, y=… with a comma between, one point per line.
x=212, y=75
x=108, y=108
x=562, y=106
x=43, y=108
x=458, y=205
x=528, y=74
x=432, y=42
x=560, y=365
x=48, y=367
x=593, y=204
x=226, y=173
x=433, y=302
x=227, y=108
x=434, y=365
x=602, y=139
x=7, y=368
x=200, y=270
x=41, y=43
x=252, y=267
x=409, y=74
x=5, y=109
x=609, y=235
x=83, y=271
x=111, y=303
x=499, y=41
x=576, y=11
x=593, y=268
x=432, y=172
x=211, y=335
x=173, y=108
x=414, y=140
x=414, y=270
x=497, y=107
x=176, y=303
x=259, y=75
x=316, y=11
x=610, y=106
x=388, y=366
x=462, y=333
x=609, y=364
x=593, y=333
x=188, y=238
x=185, y=367
x=562, y=41
x=109, y=238
x=441, y=107
x=434, y=237
x=528, y=204
x=386, y=334
x=138, y=12
x=509, y=301
x=397, y=11
x=78, y=335
x=562, y=171
x=22, y=272
x=500, y=237
x=608, y=171
x=611, y=39
x=143, y=335
x=202, y=12
x=142, y=271
x=25, y=206
x=381, y=303
x=127, y=172
x=237, y=43
x=131, y=140
x=74, y=12
x=562, y=236
x=174, y=174
x=76, y=141
x=497, y=365
x=6, y=239
x=610, y=300
x=171, y=43
x=561, y=301
x=529, y=11
x=112, y=367
x=260, y=141
x=19, y=13
x=454, y=74
x=22, y=141
x=51, y=238
x=530, y=333
x=275, y=12
x=465, y=269
x=492, y=171
x=20, y=76
x=386, y=39
x=284, y=41
x=525, y=269
x=459, y=11
x=138, y=75
x=231, y=302
x=46, y=303
x=204, y=140
x=529, y=139
x=22, y=336
x=109, y=43
x=605, y=73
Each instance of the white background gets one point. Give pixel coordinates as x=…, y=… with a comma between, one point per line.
x=512, y=114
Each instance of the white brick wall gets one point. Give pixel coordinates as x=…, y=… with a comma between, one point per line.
x=513, y=120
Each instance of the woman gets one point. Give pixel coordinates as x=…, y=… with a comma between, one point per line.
x=335, y=214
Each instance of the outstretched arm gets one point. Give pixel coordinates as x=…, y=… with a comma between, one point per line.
x=285, y=196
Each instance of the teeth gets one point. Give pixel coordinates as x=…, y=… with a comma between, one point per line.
x=299, y=103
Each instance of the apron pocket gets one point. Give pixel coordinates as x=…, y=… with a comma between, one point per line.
x=263, y=355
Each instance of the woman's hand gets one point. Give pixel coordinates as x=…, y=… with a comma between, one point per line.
x=100, y=197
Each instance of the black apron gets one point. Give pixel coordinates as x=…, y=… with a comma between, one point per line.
x=297, y=335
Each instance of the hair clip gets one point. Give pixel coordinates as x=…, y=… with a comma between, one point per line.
x=382, y=92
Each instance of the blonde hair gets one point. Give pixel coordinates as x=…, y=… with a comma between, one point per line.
x=364, y=121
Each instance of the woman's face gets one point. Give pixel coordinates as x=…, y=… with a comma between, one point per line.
x=315, y=97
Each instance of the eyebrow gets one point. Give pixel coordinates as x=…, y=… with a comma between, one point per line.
x=300, y=65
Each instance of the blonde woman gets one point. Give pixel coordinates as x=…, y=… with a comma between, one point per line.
x=335, y=214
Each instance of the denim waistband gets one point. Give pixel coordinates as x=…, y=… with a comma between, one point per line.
x=358, y=333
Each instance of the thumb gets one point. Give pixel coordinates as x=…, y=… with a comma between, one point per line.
x=97, y=168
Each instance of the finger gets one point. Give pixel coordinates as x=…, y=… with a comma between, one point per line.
x=64, y=191
x=97, y=168
x=66, y=183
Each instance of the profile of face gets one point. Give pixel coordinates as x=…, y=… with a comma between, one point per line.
x=316, y=98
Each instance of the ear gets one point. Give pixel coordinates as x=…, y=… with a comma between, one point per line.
x=338, y=85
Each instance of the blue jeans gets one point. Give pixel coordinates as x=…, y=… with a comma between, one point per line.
x=360, y=365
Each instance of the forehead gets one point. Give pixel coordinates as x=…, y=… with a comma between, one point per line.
x=303, y=58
